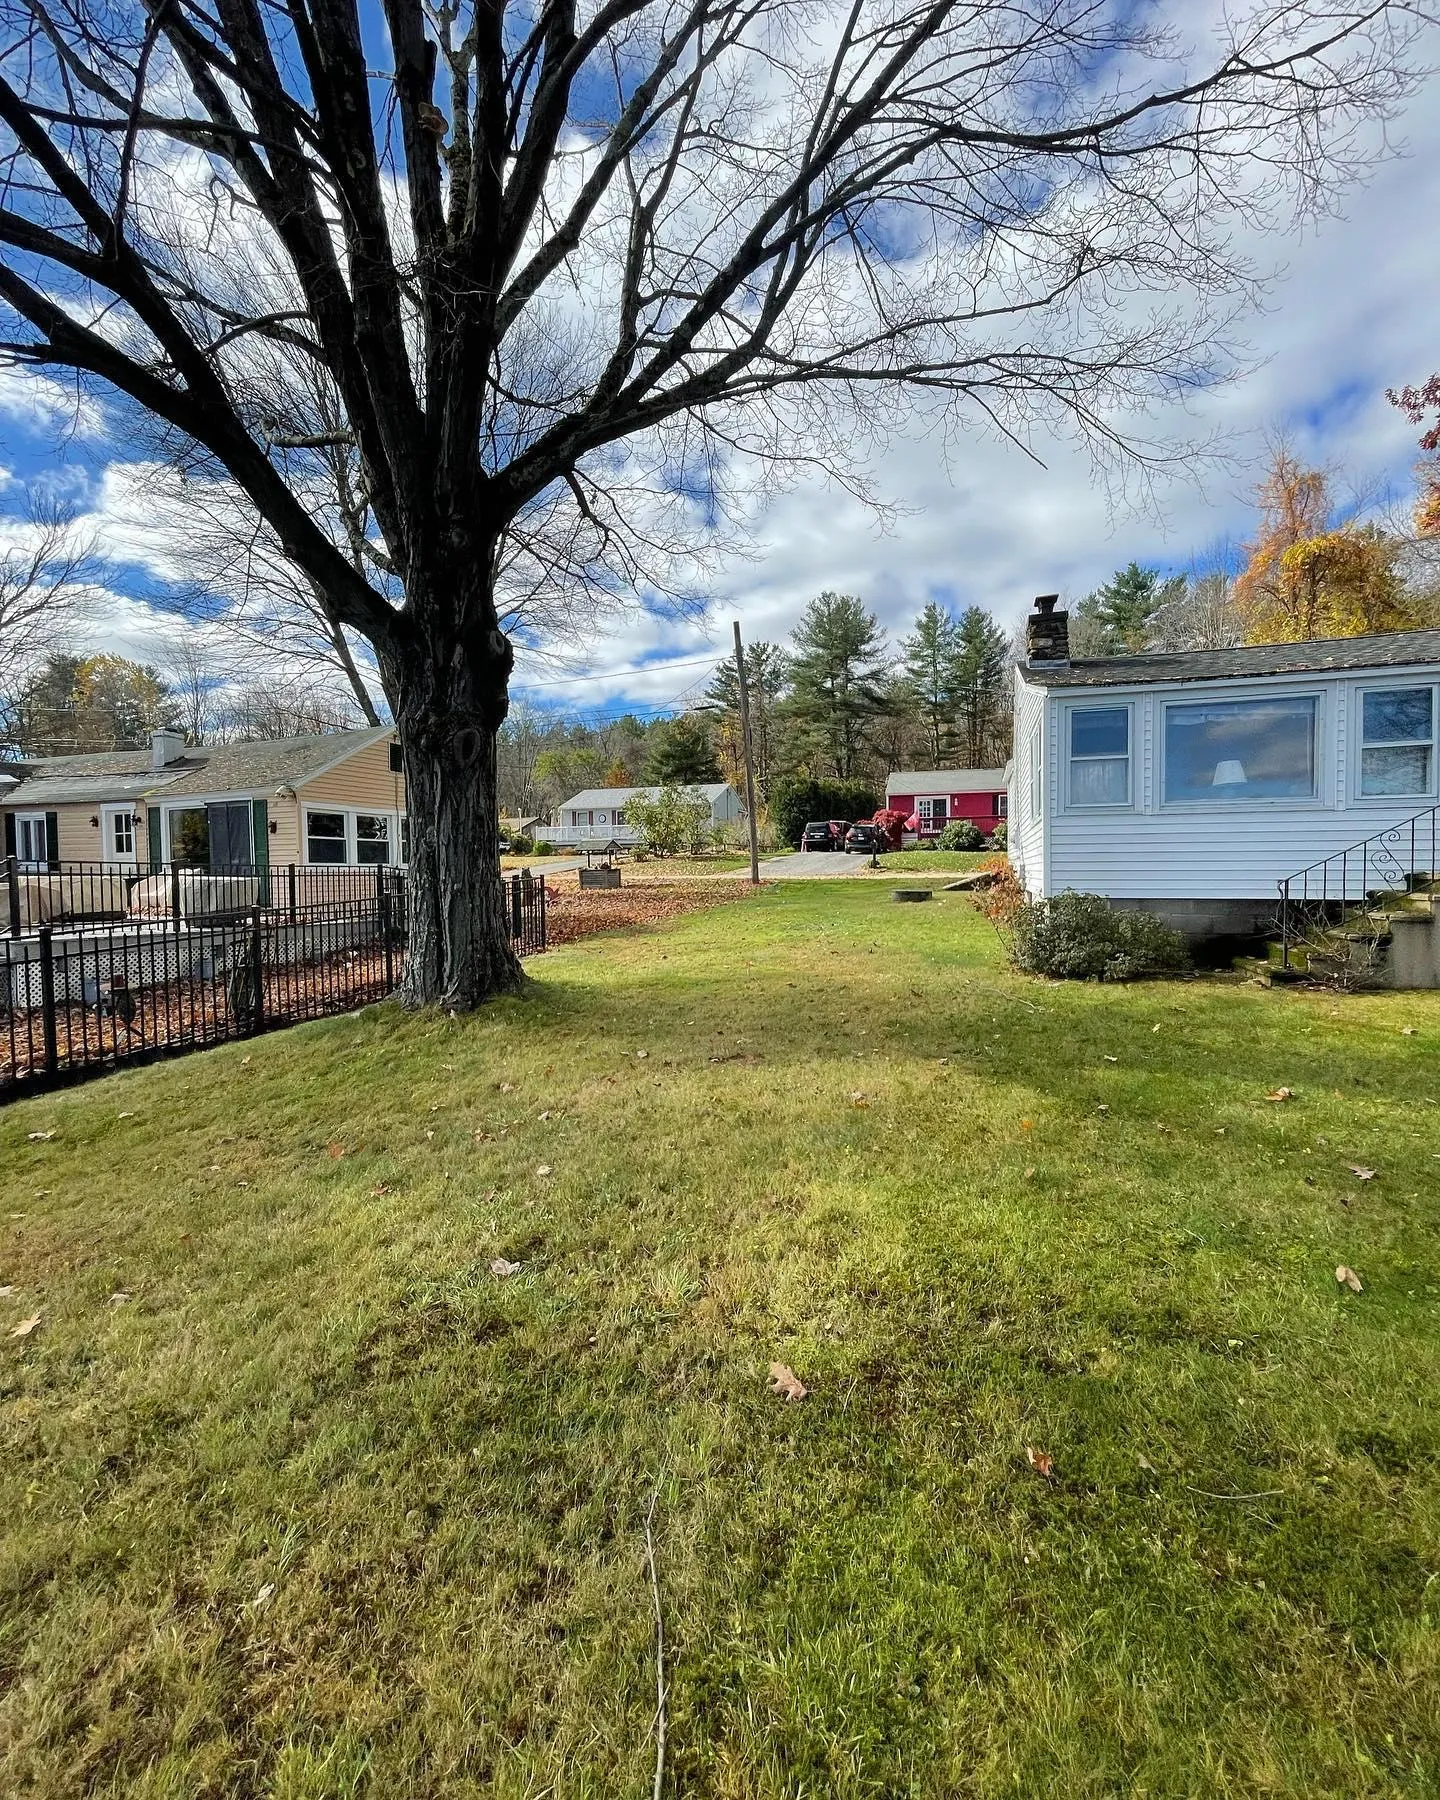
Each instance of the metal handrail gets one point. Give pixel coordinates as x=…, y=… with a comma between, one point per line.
x=1388, y=856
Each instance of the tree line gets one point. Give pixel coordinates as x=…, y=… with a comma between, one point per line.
x=838, y=701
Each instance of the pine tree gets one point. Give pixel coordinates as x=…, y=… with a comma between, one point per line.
x=983, y=699
x=1118, y=614
x=932, y=680
x=681, y=753
x=767, y=674
x=838, y=681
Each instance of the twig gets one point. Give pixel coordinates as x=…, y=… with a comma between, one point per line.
x=662, y=1692
x=1205, y=1494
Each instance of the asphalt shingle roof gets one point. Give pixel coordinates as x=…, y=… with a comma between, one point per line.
x=250, y=768
x=589, y=797
x=1316, y=656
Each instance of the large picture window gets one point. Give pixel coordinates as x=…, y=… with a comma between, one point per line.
x=1398, y=741
x=1100, y=756
x=1239, y=750
x=325, y=837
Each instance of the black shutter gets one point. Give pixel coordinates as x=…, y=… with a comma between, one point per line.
x=10, y=834
x=397, y=757
x=52, y=839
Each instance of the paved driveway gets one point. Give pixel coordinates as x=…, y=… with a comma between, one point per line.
x=810, y=865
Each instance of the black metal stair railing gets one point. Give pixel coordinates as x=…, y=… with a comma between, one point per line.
x=1379, y=867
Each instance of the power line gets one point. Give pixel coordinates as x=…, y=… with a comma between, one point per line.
x=694, y=662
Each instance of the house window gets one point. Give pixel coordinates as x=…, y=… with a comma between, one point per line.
x=120, y=839
x=372, y=838
x=931, y=810
x=619, y=815
x=1231, y=750
x=405, y=840
x=1037, y=785
x=1002, y=805
x=1100, y=756
x=325, y=837
x=30, y=846
x=1398, y=741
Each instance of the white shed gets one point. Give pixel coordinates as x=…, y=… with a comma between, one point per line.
x=1194, y=784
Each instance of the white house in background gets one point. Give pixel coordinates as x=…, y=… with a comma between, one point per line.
x=1192, y=784
x=597, y=815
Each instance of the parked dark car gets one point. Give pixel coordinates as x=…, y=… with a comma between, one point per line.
x=867, y=837
x=824, y=834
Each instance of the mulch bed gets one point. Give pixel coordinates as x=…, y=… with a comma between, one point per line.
x=572, y=912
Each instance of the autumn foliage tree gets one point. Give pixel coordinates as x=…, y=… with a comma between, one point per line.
x=1307, y=578
x=1417, y=403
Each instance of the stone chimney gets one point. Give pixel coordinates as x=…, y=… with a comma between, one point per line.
x=1047, y=632
x=166, y=747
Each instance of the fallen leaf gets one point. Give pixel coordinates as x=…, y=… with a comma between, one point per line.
x=544, y=1169
x=1348, y=1278
x=640, y=1055
x=38, y=1137
x=859, y=1098
x=1359, y=1173
x=544, y=1115
x=244, y=1060
x=507, y=1087
x=1029, y=1173
x=1102, y=1107
x=1154, y=1027
x=1027, y=1124
x=380, y=1189
x=125, y=1115
x=502, y=1268
x=1040, y=1461
x=1407, y=1031
x=1114, y=1059
x=1281, y=1094
x=263, y=1595
x=785, y=1382
x=26, y=1326
x=7, y=1293
x=1145, y=1462
x=119, y=1297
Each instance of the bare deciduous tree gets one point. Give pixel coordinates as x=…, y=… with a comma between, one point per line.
x=559, y=255
x=41, y=584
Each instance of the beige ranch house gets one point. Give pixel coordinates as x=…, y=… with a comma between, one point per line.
x=328, y=800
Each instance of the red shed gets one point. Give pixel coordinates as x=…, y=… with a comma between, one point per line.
x=936, y=796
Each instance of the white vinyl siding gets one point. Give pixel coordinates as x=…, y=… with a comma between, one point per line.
x=1193, y=850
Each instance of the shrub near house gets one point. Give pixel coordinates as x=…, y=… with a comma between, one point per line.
x=673, y=822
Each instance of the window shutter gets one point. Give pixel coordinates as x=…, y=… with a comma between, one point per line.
x=397, y=757
x=152, y=822
x=52, y=839
x=10, y=834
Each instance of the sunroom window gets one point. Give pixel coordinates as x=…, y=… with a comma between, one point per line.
x=1239, y=750
x=1398, y=747
x=1100, y=756
x=372, y=838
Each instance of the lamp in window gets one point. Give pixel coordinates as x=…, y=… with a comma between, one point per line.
x=1230, y=773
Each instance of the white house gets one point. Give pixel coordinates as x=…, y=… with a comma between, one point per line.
x=598, y=814
x=1193, y=784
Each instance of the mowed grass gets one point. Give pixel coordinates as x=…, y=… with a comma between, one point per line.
x=324, y=1508
x=933, y=862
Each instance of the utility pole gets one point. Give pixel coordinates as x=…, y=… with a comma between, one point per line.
x=749, y=756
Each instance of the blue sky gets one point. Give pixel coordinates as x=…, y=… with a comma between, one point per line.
x=1351, y=311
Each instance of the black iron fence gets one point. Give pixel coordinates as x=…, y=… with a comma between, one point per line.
x=105, y=966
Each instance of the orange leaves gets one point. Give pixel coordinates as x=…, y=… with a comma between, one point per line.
x=1349, y=1279
x=1040, y=1461
x=1281, y=1093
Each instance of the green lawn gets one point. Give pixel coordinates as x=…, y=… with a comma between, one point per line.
x=326, y=1509
x=934, y=862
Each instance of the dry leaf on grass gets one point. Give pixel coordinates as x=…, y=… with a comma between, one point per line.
x=1359, y=1173
x=125, y=1115
x=1040, y=1461
x=1348, y=1278
x=544, y=1169
x=1407, y=1031
x=26, y=1326
x=507, y=1087
x=7, y=1292
x=1114, y=1059
x=1281, y=1094
x=501, y=1268
x=380, y=1189
x=119, y=1297
x=265, y=1594
x=785, y=1382
x=640, y=1055
x=859, y=1098
x=334, y=1151
x=38, y=1137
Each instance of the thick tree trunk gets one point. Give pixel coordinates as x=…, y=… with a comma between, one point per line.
x=451, y=698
